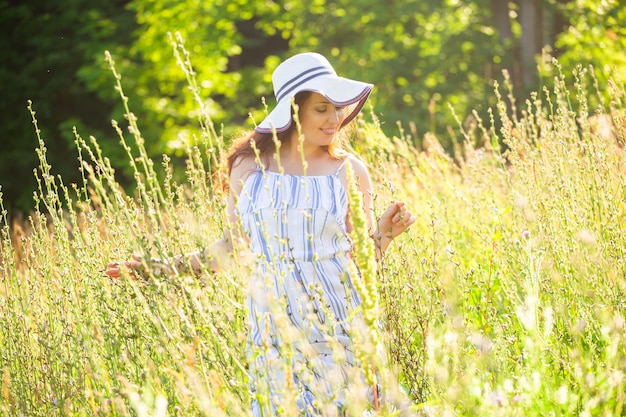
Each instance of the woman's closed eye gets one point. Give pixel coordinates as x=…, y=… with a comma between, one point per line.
x=326, y=108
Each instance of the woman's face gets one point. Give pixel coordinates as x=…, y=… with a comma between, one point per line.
x=320, y=120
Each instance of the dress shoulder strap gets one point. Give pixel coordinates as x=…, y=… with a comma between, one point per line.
x=343, y=163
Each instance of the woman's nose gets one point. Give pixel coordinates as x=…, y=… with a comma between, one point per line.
x=336, y=115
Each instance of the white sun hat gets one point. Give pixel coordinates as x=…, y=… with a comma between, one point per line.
x=310, y=71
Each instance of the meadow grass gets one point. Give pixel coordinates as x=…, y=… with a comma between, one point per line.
x=505, y=298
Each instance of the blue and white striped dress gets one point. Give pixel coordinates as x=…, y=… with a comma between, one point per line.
x=301, y=294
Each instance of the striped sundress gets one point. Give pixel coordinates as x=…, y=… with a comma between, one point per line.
x=301, y=294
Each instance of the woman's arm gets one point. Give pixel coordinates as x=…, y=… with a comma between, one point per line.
x=395, y=220
x=211, y=258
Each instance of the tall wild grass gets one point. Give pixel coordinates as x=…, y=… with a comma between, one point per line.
x=505, y=298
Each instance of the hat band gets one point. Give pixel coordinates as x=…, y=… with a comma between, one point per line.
x=298, y=81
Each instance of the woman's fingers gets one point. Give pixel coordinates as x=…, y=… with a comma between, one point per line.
x=133, y=265
x=402, y=214
x=400, y=211
x=114, y=269
x=401, y=218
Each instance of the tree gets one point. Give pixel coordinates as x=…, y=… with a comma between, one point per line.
x=594, y=35
x=52, y=55
x=227, y=52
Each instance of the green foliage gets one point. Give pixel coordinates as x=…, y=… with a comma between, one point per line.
x=596, y=36
x=215, y=33
x=595, y=39
x=52, y=55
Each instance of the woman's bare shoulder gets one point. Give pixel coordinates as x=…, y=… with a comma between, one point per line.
x=242, y=167
x=358, y=166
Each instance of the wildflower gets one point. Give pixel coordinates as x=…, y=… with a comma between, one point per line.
x=498, y=399
x=450, y=338
x=481, y=343
x=585, y=236
x=521, y=202
x=562, y=394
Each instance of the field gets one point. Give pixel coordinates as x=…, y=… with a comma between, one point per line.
x=505, y=298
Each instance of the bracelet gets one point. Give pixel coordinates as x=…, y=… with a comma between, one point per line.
x=180, y=263
x=377, y=239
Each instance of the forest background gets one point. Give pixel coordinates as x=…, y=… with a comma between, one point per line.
x=424, y=58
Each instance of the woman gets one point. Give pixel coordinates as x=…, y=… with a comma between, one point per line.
x=288, y=198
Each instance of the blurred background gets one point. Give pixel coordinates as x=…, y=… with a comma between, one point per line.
x=423, y=56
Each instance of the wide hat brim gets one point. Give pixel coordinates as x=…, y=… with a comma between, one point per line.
x=339, y=91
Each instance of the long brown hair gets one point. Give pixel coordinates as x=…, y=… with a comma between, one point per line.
x=247, y=145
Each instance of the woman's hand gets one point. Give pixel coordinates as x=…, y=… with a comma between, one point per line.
x=395, y=220
x=136, y=267
x=211, y=259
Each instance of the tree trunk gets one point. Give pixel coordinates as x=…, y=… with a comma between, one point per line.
x=530, y=18
x=502, y=22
